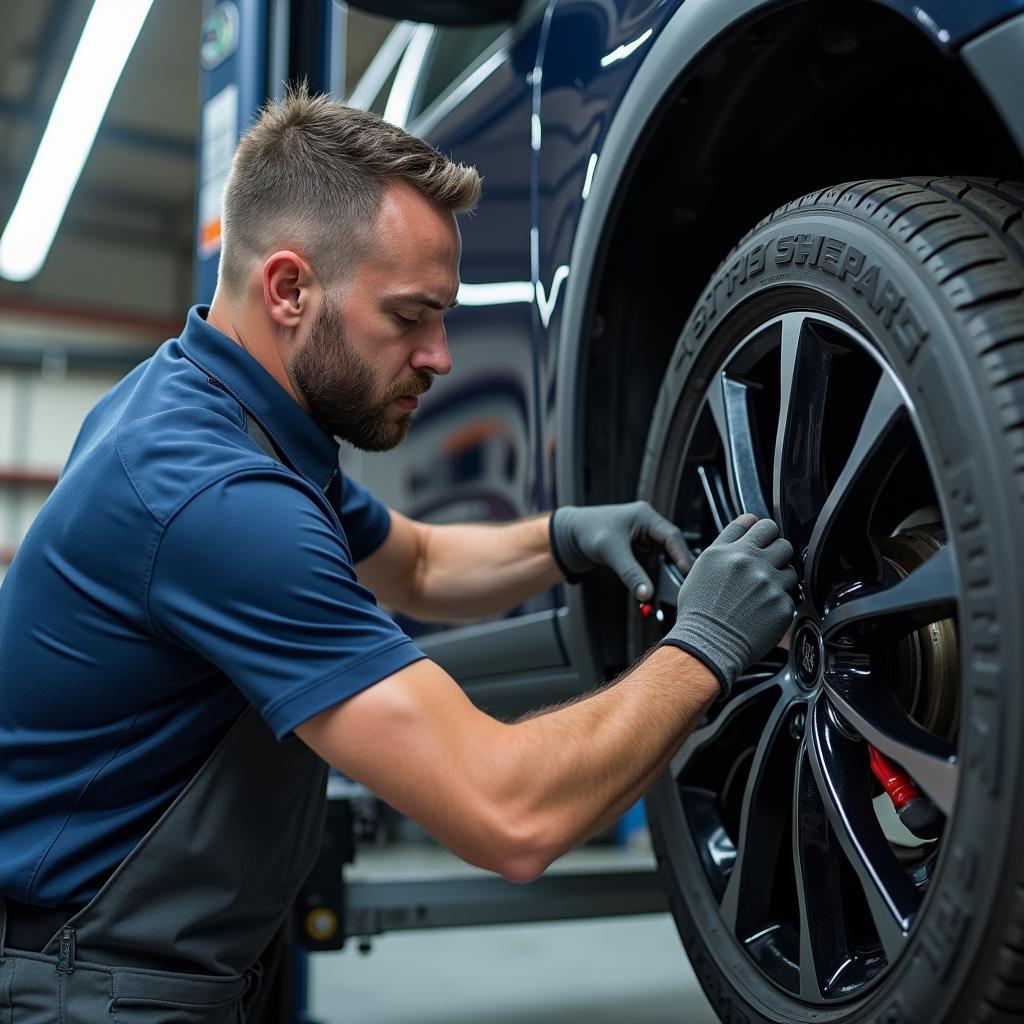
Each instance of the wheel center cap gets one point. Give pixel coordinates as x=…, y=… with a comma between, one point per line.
x=808, y=654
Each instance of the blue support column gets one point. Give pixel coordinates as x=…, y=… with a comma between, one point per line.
x=249, y=49
x=232, y=88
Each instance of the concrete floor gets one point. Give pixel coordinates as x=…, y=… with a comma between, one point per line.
x=627, y=970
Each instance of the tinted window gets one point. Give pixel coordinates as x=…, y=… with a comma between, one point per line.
x=380, y=101
x=453, y=51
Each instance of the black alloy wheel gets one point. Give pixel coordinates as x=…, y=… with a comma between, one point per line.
x=842, y=839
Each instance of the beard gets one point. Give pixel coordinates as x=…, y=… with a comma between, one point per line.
x=339, y=387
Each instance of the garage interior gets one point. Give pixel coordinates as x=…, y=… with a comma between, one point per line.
x=873, y=394
x=116, y=283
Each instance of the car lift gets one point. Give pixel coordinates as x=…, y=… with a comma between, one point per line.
x=249, y=49
x=332, y=911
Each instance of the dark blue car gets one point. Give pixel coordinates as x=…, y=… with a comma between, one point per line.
x=766, y=256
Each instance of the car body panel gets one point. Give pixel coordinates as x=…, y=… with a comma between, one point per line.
x=995, y=59
x=606, y=116
x=552, y=115
x=602, y=67
x=470, y=453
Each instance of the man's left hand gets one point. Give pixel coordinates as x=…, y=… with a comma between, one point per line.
x=585, y=538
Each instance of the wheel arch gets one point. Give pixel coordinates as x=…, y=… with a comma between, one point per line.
x=694, y=139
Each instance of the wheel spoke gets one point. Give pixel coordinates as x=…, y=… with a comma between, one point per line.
x=729, y=402
x=746, y=904
x=798, y=491
x=840, y=768
x=927, y=595
x=873, y=711
x=873, y=455
x=823, y=946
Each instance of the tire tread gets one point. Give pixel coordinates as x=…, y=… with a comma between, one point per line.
x=976, y=229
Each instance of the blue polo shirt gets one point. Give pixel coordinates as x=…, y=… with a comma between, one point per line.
x=176, y=572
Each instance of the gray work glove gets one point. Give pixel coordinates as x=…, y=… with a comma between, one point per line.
x=584, y=538
x=734, y=605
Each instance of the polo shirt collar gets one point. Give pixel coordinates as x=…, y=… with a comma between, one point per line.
x=306, y=445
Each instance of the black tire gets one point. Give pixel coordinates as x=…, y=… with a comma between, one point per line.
x=929, y=274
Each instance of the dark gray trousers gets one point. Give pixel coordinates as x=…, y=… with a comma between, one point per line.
x=210, y=884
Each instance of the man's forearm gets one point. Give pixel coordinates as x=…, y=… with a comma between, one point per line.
x=514, y=797
x=470, y=571
x=572, y=771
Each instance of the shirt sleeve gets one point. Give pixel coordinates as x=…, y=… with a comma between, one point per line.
x=365, y=519
x=253, y=575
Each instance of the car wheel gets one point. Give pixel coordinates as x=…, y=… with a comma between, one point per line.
x=855, y=370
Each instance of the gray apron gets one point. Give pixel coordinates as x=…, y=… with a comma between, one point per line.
x=211, y=883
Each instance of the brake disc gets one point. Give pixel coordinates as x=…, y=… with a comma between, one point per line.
x=930, y=690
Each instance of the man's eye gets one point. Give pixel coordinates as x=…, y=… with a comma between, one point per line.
x=404, y=320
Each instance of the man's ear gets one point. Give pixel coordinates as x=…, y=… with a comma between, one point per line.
x=290, y=288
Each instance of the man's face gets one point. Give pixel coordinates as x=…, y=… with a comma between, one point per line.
x=375, y=347
x=342, y=389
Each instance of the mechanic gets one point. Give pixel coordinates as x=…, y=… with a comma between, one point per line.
x=190, y=634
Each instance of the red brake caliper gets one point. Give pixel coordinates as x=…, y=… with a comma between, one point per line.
x=913, y=808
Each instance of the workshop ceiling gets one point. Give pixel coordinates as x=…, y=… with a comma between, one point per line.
x=136, y=191
x=135, y=199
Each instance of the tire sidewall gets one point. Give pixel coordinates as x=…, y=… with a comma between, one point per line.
x=853, y=269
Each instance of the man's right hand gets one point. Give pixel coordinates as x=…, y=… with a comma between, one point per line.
x=513, y=797
x=734, y=605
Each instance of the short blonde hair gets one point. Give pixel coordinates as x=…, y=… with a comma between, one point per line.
x=315, y=170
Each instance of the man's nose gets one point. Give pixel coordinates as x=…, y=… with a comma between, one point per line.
x=432, y=352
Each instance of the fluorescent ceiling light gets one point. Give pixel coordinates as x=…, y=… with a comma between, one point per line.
x=107, y=40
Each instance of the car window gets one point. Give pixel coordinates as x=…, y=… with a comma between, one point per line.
x=379, y=102
x=454, y=50
x=371, y=67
